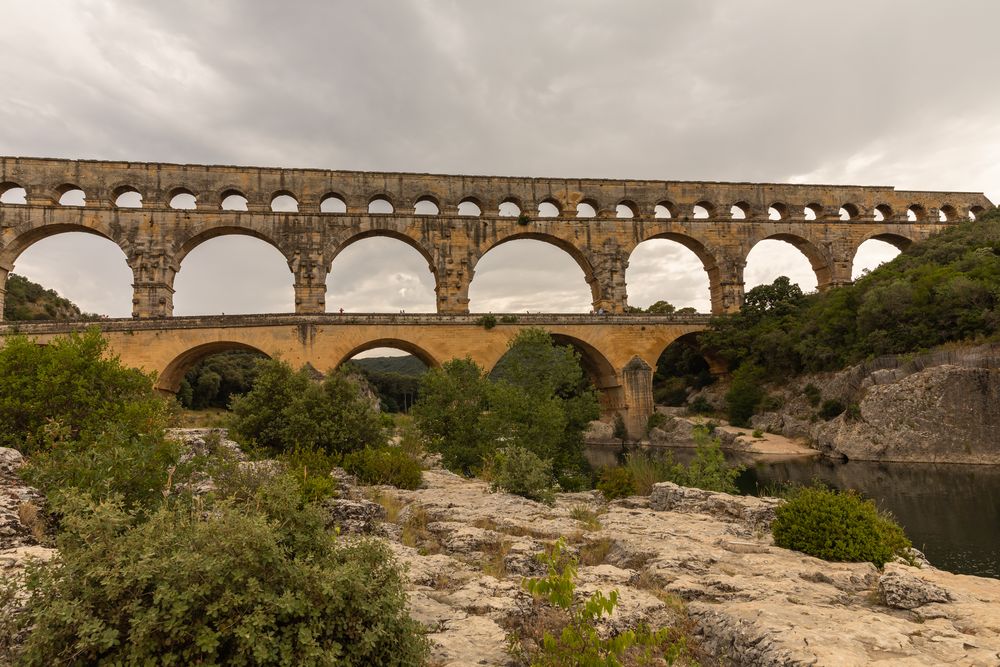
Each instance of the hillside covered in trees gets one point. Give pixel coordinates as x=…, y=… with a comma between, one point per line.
x=943, y=290
x=26, y=300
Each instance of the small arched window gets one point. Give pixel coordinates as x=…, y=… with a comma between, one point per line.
x=848, y=212
x=469, y=207
x=233, y=200
x=127, y=197
x=380, y=205
x=586, y=210
x=426, y=206
x=664, y=209
x=548, y=209
x=812, y=212
x=182, y=199
x=71, y=195
x=947, y=213
x=881, y=213
x=916, y=213
x=284, y=202
x=12, y=193
x=701, y=210
x=739, y=210
x=332, y=203
x=625, y=210
x=777, y=211
x=509, y=209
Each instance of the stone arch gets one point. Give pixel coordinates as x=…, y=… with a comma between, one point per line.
x=333, y=202
x=706, y=206
x=381, y=197
x=279, y=197
x=426, y=199
x=665, y=209
x=65, y=189
x=338, y=245
x=566, y=246
x=228, y=193
x=5, y=186
x=546, y=207
x=708, y=259
x=123, y=189
x=169, y=380
x=627, y=209
x=821, y=264
x=18, y=244
x=948, y=213
x=186, y=244
x=398, y=343
x=587, y=208
x=595, y=364
x=883, y=210
x=740, y=210
x=717, y=365
x=463, y=208
x=900, y=241
x=172, y=193
x=511, y=203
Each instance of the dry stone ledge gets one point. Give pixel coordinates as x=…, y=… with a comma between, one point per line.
x=756, y=513
x=905, y=591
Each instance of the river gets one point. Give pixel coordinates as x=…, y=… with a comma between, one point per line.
x=950, y=512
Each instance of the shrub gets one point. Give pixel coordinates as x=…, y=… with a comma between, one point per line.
x=646, y=469
x=656, y=420
x=837, y=526
x=523, y=219
x=745, y=394
x=619, y=431
x=709, y=469
x=227, y=586
x=388, y=465
x=287, y=409
x=520, y=471
x=700, y=406
x=72, y=382
x=487, y=321
x=311, y=470
x=830, y=409
x=616, y=483
x=812, y=394
x=579, y=642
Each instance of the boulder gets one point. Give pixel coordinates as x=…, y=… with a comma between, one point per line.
x=356, y=516
x=900, y=590
x=755, y=513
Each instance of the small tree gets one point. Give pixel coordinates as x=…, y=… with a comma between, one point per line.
x=288, y=409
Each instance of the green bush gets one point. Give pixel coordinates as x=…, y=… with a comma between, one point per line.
x=616, y=482
x=830, y=409
x=487, y=321
x=745, y=394
x=812, y=394
x=520, y=471
x=388, y=465
x=656, y=420
x=311, y=470
x=233, y=586
x=709, y=469
x=287, y=409
x=579, y=643
x=837, y=526
x=700, y=406
x=74, y=383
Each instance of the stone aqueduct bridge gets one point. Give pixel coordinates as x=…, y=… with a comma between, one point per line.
x=452, y=221
x=618, y=352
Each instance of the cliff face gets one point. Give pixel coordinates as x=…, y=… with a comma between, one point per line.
x=940, y=408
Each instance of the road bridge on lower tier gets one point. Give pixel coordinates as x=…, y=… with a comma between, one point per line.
x=618, y=352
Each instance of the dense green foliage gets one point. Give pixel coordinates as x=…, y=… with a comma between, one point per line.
x=387, y=465
x=536, y=398
x=84, y=421
x=679, y=369
x=578, y=643
x=520, y=471
x=251, y=583
x=74, y=385
x=616, y=482
x=837, y=526
x=214, y=380
x=288, y=409
x=26, y=300
x=944, y=289
x=641, y=469
x=396, y=380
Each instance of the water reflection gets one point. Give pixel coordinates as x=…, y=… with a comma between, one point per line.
x=951, y=512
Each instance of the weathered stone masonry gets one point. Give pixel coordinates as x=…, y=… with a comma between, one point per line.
x=618, y=352
x=156, y=237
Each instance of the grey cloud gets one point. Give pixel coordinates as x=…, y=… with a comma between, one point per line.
x=872, y=91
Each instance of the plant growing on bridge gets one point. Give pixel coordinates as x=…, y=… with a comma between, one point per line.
x=288, y=408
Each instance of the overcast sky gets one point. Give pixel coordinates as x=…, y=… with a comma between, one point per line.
x=871, y=92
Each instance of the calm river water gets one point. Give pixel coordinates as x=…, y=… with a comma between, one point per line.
x=950, y=512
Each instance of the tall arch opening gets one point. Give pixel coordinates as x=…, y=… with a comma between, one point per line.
x=233, y=273
x=664, y=270
x=528, y=274
x=380, y=274
x=875, y=252
x=87, y=268
x=209, y=383
x=172, y=377
x=393, y=369
x=775, y=257
x=681, y=369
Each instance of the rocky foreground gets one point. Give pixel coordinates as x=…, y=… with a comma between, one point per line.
x=699, y=561
x=681, y=556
